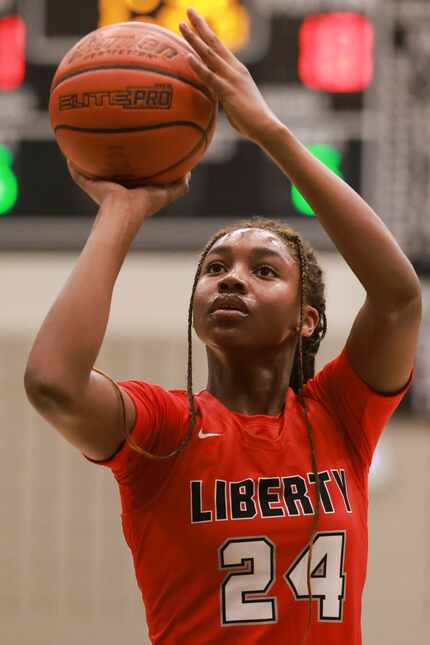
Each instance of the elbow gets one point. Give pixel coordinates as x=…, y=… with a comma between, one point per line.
x=410, y=307
x=415, y=301
x=43, y=392
x=414, y=295
x=405, y=302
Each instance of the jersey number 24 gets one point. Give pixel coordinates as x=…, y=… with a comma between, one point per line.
x=255, y=557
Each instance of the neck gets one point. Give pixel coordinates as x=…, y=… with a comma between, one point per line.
x=250, y=384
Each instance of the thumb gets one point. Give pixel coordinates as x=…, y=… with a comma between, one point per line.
x=178, y=188
x=161, y=196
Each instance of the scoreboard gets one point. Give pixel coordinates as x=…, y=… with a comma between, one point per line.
x=349, y=77
x=314, y=69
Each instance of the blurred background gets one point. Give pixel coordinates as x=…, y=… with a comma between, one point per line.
x=351, y=79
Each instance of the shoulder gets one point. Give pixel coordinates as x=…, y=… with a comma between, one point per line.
x=156, y=401
x=336, y=372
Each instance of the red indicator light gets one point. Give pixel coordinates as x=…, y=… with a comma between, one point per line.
x=336, y=52
x=12, y=52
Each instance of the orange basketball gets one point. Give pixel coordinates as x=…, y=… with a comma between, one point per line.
x=126, y=105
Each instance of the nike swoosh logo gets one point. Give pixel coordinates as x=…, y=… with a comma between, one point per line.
x=205, y=435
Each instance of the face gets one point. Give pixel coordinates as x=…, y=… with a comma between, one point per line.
x=248, y=292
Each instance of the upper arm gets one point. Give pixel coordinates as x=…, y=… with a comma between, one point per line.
x=381, y=346
x=92, y=422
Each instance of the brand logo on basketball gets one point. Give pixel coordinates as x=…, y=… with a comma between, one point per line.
x=126, y=44
x=132, y=98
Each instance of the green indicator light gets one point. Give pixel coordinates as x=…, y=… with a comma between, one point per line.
x=329, y=157
x=8, y=181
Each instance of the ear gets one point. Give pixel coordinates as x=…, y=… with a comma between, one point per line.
x=311, y=318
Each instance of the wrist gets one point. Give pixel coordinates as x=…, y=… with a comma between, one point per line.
x=117, y=200
x=116, y=219
x=269, y=131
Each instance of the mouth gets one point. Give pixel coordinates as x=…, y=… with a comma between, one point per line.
x=226, y=305
x=228, y=314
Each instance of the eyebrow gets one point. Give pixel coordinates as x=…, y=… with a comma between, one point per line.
x=258, y=251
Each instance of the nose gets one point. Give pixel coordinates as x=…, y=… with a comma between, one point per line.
x=231, y=283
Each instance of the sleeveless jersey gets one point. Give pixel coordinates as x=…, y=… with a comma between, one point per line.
x=219, y=534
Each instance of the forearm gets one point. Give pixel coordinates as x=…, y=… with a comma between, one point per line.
x=70, y=338
x=357, y=232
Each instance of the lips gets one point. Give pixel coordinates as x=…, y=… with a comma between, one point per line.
x=234, y=303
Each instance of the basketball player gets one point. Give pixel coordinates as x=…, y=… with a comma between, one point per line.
x=244, y=506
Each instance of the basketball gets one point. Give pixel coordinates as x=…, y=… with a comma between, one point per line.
x=125, y=105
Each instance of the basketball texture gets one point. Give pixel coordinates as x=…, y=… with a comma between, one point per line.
x=125, y=105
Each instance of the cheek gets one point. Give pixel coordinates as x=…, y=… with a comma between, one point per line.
x=279, y=312
x=277, y=300
x=199, y=306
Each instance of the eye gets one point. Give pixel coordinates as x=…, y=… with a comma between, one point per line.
x=215, y=268
x=266, y=272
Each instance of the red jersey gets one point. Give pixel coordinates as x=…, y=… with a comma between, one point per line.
x=219, y=533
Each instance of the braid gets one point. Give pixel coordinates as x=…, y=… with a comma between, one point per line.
x=309, y=431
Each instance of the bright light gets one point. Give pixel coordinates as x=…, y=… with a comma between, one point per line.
x=8, y=182
x=113, y=11
x=12, y=52
x=336, y=52
x=331, y=158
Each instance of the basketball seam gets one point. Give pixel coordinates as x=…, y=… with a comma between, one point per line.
x=190, y=154
x=155, y=126
x=154, y=70
x=203, y=140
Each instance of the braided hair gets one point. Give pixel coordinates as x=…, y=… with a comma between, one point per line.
x=312, y=289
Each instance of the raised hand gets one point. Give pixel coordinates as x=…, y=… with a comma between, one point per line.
x=228, y=79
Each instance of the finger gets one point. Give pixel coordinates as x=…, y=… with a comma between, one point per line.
x=205, y=51
x=165, y=194
x=179, y=188
x=211, y=80
x=208, y=36
x=187, y=180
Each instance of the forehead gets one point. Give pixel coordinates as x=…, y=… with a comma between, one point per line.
x=248, y=238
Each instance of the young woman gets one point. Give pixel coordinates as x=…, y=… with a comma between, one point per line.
x=244, y=506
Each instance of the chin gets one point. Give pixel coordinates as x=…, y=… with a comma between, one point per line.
x=226, y=338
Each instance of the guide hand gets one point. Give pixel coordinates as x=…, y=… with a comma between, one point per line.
x=144, y=201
